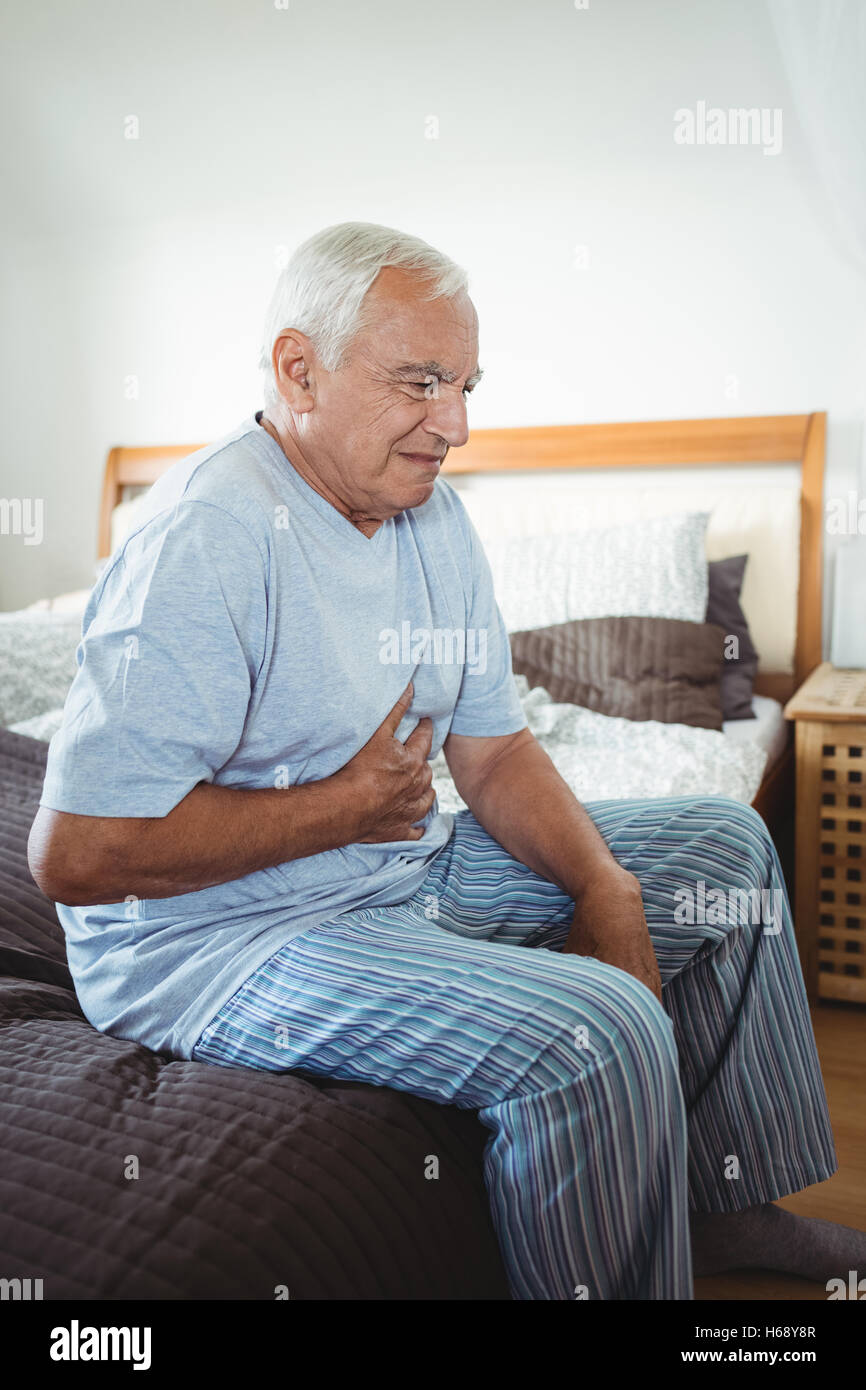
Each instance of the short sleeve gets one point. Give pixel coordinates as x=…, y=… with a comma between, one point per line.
x=172, y=641
x=488, y=703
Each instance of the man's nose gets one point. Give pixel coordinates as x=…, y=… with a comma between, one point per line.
x=446, y=416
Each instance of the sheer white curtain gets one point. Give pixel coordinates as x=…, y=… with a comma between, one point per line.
x=823, y=48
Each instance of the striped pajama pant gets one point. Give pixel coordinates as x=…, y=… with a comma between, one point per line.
x=611, y=1115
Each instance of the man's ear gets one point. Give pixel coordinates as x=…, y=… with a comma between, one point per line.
x=292, y=359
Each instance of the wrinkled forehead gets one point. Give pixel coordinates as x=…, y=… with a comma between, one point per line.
x=402, y=325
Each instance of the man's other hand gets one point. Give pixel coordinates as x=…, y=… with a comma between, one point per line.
x=609, y=924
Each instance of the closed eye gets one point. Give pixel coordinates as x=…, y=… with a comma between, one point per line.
x=467, y=390
x=425, y=385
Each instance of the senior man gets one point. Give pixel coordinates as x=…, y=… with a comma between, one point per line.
x=239, y=828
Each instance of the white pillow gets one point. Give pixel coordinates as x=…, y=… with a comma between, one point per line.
x=126, y=515
x=73, y=602
x=656, y=568
x=37, y=662
x=41, y=726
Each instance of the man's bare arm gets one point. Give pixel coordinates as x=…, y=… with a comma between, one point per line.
x=216, y=834
x=514, y=790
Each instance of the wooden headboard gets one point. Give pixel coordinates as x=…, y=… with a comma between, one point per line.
x=757, y=439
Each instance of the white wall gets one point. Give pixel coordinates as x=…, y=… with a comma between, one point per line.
x=155, y=257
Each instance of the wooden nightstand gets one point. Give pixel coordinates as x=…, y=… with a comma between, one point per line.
x=830, y=884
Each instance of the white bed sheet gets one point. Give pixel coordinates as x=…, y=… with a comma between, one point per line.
x=769, y=729
x=606, y=758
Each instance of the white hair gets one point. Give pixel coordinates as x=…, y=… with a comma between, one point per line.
x=321, y=290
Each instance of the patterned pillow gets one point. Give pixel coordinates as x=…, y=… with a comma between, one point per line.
x=656, y=568
x=37, y=662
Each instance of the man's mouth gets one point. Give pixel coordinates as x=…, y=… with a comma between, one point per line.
x=431, y=461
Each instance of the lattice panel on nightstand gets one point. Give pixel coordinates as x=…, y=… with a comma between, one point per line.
x=842, y=856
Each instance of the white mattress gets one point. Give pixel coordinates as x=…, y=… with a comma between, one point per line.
x=769, y=729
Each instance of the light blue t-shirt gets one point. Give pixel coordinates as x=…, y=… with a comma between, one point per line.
x=247, y=634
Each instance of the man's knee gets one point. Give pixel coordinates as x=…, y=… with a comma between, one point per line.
x=736, y=829
x=729, y=812
x=616, y=1021
x=638, y=1020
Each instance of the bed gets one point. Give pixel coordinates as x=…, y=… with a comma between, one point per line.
x=126, y=1174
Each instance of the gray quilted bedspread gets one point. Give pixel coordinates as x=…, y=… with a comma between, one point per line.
x=248, y=1183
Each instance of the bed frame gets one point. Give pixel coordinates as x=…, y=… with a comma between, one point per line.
x=757, y=439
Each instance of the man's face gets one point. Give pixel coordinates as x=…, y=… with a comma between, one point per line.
x=384, y=420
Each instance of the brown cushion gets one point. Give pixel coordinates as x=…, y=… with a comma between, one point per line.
x=636, y=668
x=724, y=609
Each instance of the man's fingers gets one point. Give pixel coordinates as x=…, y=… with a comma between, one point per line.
x=388, y=837
x=422, y=805
x=421, y=737
x=392, y=719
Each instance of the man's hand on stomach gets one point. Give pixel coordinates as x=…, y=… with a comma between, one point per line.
x=391, y=783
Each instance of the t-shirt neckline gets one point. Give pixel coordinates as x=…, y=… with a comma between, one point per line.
x=329, y=513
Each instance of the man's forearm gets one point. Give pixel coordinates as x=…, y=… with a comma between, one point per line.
x=524, y=803
x=215, y=834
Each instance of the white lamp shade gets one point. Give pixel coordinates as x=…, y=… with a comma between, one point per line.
x=848, y=643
